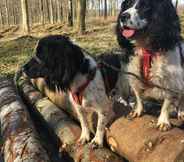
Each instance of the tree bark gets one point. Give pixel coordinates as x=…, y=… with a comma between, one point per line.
x=176, y=5
x=67, y=130
x=51, y=12
x=21, y=141
x=81, y=16
x=41, y=12
x=149, y=144
x=7, y=13
x=105, y=9
x=70, y=13
x=25, y=17
x=59, y=11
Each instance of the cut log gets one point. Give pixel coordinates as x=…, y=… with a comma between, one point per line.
x=65, y=128
x=21, y=141
x=139, y=141
x=134, y=139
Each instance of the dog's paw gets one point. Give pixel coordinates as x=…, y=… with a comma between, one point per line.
x=164, y=126
x=134, y=114
x=96, y=143
x=84, y=138
x=181, y=115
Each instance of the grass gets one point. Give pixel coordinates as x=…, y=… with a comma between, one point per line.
x=100, y=37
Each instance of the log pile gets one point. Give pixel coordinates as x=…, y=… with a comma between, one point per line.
x=21, y=141
x=137, y=140
x=65, y=128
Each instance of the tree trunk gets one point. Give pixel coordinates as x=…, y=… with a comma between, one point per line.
x=41, y=12
x=7, y=13
x=70, y=13
x=51, y=12
x=176, y=5
x=81, y=15
x=67, y=131
x=21, y=141
x=105, y=9
x=58, y=3
x=25, y=17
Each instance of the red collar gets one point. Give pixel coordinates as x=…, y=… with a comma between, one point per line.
x=147, y=57
x=78, y=94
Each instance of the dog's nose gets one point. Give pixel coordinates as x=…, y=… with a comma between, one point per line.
x=125, y=16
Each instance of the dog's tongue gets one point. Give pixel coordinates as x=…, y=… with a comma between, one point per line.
x=128, y=33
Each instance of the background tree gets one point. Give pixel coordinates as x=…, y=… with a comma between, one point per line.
x=81, y=15
x=27, y=14
x=25, y=18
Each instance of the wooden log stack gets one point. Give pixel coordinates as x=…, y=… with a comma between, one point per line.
x=65, y=128
x=137, y=140
x=21, y=141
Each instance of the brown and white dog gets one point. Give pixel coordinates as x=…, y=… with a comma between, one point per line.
x=153, y=27
x=66, y=68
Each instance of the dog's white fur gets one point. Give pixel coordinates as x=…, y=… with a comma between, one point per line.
x=94, y=97
x=167, y=72
x=135, y=21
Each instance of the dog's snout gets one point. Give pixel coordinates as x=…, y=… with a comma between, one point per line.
x=125, y=16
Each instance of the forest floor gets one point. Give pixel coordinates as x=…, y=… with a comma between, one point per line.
x=16, y=49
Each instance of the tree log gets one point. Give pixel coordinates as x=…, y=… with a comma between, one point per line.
x=134, y=139
x=21, y=141
x=65, y=128
x=139, y=141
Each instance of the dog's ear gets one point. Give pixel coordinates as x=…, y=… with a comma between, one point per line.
x=164, y=28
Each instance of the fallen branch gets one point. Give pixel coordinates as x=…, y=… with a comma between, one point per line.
x=21, y=142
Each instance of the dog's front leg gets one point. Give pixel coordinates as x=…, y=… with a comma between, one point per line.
x=181, y=108
x=100, y=131
x=85, y=134
x=163, y=120
x=137, y=112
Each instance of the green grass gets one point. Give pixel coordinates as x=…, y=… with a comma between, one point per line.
x=15, y=53
x=100, y=37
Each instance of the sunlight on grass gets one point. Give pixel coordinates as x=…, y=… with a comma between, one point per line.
x=99, y=37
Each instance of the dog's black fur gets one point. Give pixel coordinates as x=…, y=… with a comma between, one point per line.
x=109, y=74
x=60, y=59
x=163, y=29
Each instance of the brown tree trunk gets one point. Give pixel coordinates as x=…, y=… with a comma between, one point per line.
x=81, y=16
x=21, y=142
x=59, y=11
x=70, y=13
x=51, y=11
x=25, y=17
x=176, y=5
x=67, y=130
x=7, y=13
x=105, y=9
x=41, y=12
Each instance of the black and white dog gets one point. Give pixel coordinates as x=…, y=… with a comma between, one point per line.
x=153, y=28
x=67, y=68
